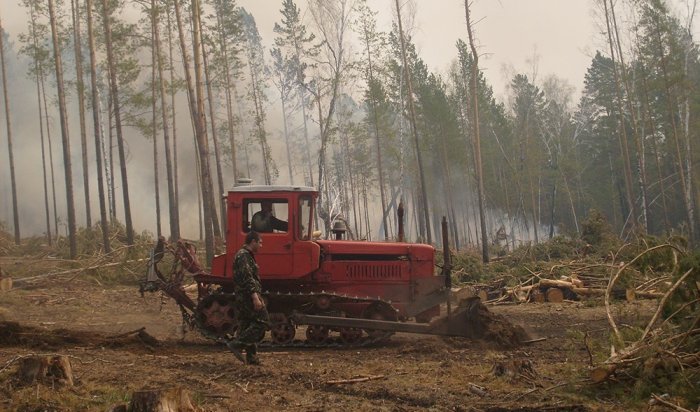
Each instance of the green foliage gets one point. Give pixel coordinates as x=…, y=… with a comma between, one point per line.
x=467, y=267
x=684, y=303
x=660, y=260
x=598, y=234
x=557, y=248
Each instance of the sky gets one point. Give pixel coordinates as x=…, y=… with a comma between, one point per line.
x=509, y=33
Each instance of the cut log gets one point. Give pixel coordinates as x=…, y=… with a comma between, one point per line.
x=555, y=295
x=166, y=400
x=602, y=373
x=556, y=284
x=578, y=283
x=588, y=291
x=536, y=296
x=616, y=293
x=45, y=369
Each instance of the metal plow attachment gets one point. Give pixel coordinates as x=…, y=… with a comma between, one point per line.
x=466, y=322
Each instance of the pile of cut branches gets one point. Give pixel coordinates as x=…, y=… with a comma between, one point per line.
x=575, y=275
x=665, y=356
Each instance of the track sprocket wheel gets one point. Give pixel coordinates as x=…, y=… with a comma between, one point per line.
x=317, y=334
x=350, y=336
x=216, y=315
x=380, y=311
x=282, y=330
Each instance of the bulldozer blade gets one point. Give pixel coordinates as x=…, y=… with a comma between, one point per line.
x=465, y=320
x=459, y=324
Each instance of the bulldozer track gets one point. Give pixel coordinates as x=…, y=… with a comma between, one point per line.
x=194, y=321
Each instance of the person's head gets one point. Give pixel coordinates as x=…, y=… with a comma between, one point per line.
x=253, y=241
x=266, y=206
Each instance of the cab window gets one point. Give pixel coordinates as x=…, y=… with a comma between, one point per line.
x=304, y=230
x=266, y=215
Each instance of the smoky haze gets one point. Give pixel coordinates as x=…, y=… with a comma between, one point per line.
x=537, y=36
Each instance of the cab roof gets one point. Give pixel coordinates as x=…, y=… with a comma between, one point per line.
x=271, y=188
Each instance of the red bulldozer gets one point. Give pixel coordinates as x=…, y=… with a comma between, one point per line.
x=340, y=291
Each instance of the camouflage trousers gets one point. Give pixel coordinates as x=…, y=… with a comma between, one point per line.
x=252, y=324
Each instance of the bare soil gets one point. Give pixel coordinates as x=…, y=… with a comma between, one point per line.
x=88, y=322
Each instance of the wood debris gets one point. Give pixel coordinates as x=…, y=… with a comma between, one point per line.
x=355, y=380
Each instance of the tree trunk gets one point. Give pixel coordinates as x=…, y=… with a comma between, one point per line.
x=414, y=129
x=638, y=141
x=109, y=159
x=283, y=100
x=197, y=112
x=64, y=134
x=229, y=103
x=623, y=129
x=114, y=87
x=39, y=88
x=259, y=124
x=173, y=211
x=154, y=120
x=80, y=85
x=477, y=139
x=43, y=163
x=15, y=210
x=215, y=141
x=173, y=93
x=97, y=129
x=49, y=140
x=375, y=116
x=302, y=99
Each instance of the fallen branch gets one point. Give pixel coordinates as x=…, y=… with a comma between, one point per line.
x=79, y=270
x=614, y=278
x=669, y=404
x=121, y=335
x=355, y=380
x=604, y=371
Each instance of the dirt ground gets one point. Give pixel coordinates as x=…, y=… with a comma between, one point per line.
x=79, y=318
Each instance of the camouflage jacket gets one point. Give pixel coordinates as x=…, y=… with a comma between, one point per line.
x=245, y=273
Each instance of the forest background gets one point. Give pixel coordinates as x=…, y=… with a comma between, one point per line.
x=110, y=108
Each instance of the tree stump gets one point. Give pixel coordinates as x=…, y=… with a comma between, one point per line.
x=515, y=369
x=165, y=400
x=53, y=369
x=5, y=282
x=555, y=295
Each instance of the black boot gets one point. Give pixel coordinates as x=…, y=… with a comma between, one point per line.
x=251, y=355
x=236, y=348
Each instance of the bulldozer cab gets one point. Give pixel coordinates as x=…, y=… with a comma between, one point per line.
x=283, y=215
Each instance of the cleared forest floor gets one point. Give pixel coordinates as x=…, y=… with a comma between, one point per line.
x=82, y=319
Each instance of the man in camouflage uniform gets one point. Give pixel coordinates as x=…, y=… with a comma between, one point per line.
x=252, y=315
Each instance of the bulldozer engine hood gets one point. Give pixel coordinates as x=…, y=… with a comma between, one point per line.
x=353, y=250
